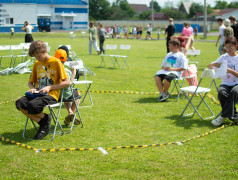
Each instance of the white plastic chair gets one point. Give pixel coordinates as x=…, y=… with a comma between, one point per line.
x=110, y=52
x=191, y=53
x=72, y=35
x=16, y=51
x=5, y=53
x=122, y=53
x=201, y=91
x=79, y=65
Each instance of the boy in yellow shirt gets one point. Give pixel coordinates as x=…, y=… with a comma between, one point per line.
x=47, y=78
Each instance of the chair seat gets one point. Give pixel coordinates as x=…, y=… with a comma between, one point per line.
x=53, y=105
x=83, y=82
x=118, y=56
x=192, y=89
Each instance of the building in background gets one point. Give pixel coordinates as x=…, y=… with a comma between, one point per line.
x=58, y=14
x=139, y=8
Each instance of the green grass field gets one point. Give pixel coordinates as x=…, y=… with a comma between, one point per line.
x=119, y=120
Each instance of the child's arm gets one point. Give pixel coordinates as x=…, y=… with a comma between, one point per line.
x=32, y=87
x=62, y=84
x=73, y=76
x=232, y=72
x=212, y=65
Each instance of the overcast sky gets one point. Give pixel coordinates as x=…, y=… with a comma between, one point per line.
x=175, y=2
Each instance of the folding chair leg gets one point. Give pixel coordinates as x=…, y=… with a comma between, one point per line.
x=56, y=121
x=116, y=62
x=24, y=131
x=87, y=92
x=102, y=61
x=125, y=64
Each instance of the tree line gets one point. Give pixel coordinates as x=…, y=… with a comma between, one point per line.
x=121, y=10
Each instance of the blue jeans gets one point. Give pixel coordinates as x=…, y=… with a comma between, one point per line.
x=220, y=49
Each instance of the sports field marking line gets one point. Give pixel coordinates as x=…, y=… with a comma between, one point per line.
x=104, y=150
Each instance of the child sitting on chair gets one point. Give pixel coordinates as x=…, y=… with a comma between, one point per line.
x=172, y=65
x=228, y=90
x=48, y=77
x=67, y=95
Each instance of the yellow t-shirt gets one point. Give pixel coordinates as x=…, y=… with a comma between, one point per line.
x=48, y=73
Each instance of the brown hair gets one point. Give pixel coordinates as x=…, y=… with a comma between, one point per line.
x=174, y=42
x=220, y=20
x=91, y=24
x=231, y=40
x=232, y=18
x=37, y=47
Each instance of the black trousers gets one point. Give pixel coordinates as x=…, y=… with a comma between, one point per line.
x=228, y=97
x=101, y=41
x=167, y=44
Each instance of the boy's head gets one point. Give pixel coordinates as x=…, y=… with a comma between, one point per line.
x=220, y=21
x=37, y=47
x=171, y=20
x=61, y=55
x=174, y=45
x=232, y=19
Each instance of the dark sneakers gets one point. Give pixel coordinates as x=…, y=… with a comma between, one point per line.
x=43, y=129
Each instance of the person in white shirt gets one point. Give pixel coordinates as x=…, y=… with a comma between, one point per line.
x=228, y=90
x=28, y=29
x=221, y=34
x=172, y=66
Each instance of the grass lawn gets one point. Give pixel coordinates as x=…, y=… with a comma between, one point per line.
x=119, y=120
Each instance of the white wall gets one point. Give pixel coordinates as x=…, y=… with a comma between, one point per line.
x=21, y=13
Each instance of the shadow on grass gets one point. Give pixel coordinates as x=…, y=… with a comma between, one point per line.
x=189, y=122
x=17, y=136
x=147, y=100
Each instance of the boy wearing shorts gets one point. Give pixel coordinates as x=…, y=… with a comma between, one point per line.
x=172, y=65
x=47, y=78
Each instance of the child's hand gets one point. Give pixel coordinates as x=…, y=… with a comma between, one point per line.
x=32, y=91
x=167, y=68
x=217, y=65
x=45, y=90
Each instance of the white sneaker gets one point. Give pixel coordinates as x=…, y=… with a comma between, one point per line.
x=218, y=121
x=165, y=97
x=160, y=97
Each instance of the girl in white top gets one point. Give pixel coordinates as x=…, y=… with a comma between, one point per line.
x=228, y=90
x=28, y=29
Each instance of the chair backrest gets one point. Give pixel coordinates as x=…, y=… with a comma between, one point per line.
x=208, y=73
x=5, y=47
x=16, y=49
x=111, y=47
x=125, y=48
x=193, y=52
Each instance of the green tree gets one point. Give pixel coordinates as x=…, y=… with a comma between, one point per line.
x=195, y=8
x=199, y=8
x=233, y=5
x=221, y=4
x=172, y=13
x=144, y=15
x=157, y=7
x=121, y=10
x=99, y=9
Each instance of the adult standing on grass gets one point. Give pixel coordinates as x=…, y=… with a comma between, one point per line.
x=221, y=34
x=228, y=90
x=93, y=38
x=101, y=33
x=169, y=32
x=28, y=29
x=234, y=26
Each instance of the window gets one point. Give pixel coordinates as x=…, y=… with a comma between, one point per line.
x=9, y=21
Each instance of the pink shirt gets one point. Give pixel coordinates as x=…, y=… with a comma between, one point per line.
x=186, y=32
